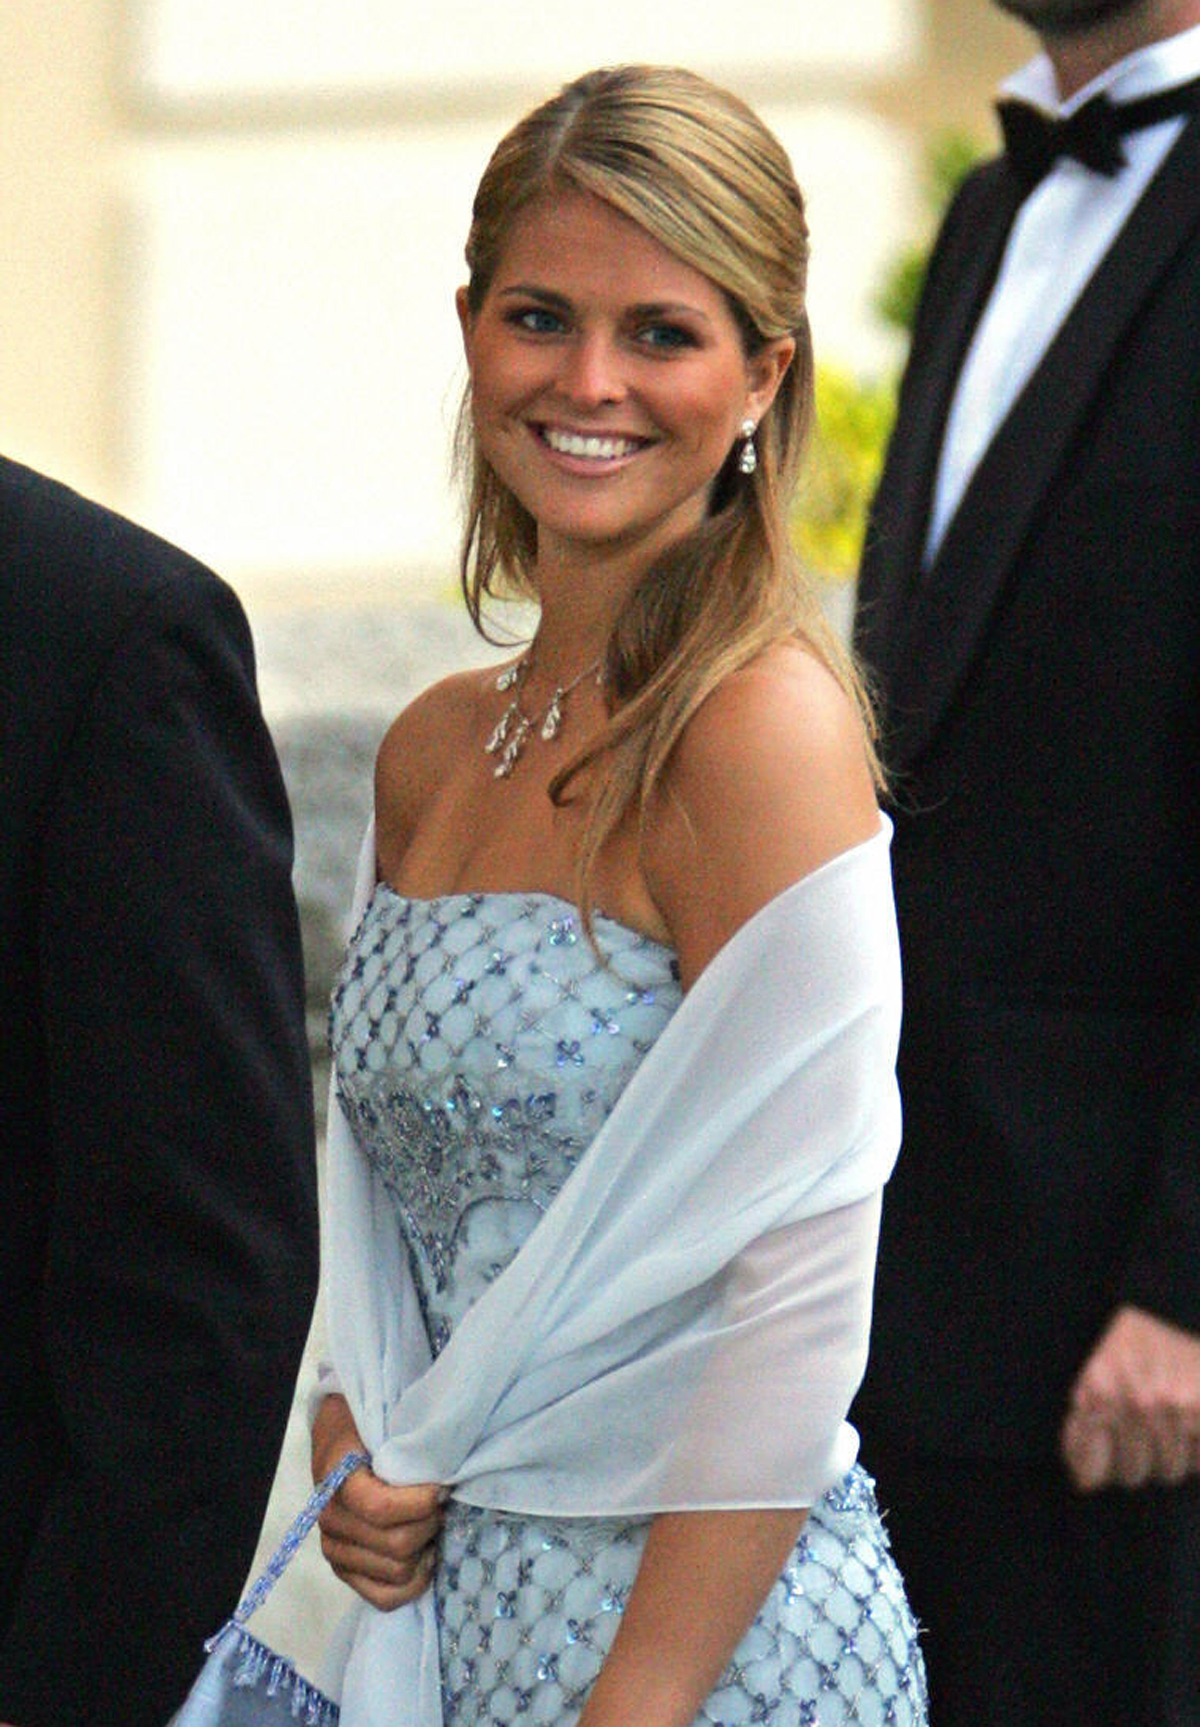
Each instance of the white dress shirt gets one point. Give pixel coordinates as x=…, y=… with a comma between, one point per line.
x=1062, y=231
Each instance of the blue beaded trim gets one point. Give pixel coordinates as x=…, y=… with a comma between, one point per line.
x=256, y=1664
x=283, y=1555
x=259, y=1667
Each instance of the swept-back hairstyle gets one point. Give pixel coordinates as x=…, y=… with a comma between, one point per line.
x=696, y=168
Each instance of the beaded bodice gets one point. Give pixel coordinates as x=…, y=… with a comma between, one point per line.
x=479, y=1041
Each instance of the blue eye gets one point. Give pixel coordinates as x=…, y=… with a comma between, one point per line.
x=539, y=320
x=667, y=336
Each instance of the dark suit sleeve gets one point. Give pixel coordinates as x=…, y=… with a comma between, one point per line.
x=1162, y=1272
x=181, y=1255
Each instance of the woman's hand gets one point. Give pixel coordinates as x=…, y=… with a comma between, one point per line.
x=378, y=1539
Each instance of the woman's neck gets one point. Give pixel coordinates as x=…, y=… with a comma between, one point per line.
x=579, y=604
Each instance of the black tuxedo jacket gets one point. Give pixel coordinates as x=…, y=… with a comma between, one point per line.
x=157, y=1208
x=1040, y=690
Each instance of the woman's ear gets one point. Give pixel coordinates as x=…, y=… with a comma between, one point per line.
x=765, y=373
x=465, y=320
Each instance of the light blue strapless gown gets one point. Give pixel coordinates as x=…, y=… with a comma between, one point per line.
x=479, y=1045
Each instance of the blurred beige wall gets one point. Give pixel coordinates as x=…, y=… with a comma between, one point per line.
x=232, y=234
x=60, y=129
x=967, y=47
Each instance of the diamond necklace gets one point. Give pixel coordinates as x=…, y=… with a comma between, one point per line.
x=514, y=725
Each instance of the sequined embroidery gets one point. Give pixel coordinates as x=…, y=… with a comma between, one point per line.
x=479, y=1043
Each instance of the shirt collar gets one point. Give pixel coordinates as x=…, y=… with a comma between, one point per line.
x=1158, y=66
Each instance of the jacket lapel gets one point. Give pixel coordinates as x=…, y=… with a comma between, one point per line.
x=961, y=273
x=949, y=608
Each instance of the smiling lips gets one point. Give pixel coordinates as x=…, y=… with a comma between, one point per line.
x=590, y=446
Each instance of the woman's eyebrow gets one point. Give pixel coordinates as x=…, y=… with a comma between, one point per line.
x=531, y=291
x=670, y=309
x=643, y=309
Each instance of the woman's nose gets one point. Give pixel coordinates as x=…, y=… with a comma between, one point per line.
x=591, y=372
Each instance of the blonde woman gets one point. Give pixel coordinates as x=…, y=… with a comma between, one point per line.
x=614, y=1039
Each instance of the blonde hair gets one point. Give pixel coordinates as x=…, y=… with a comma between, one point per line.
x=697, y=169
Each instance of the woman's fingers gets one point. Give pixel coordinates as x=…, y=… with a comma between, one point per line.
x=394, y=1541
x=369, y=1576
x=379, y=1539
x=368, y=1562
x=376, y=1502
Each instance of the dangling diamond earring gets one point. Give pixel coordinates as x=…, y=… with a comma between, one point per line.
x=748, y=455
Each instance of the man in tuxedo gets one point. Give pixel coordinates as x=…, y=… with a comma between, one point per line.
x=1030, y=611
x=158, y=1250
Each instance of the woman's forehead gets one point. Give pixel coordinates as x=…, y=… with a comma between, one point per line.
x=574, y=243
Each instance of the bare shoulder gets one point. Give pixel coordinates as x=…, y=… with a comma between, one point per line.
x=436, y=720
x=786, y=701
x=421, y=748
x=770, y=779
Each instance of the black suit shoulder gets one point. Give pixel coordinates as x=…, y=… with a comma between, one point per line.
x=74, y=575
x=83, y=590
x=81, y=543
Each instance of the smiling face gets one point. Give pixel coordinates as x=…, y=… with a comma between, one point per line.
x=609, y=379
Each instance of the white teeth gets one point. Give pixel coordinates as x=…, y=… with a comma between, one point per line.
x=595, y=449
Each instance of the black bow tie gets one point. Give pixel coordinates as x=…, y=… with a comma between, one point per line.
x=1092, y=135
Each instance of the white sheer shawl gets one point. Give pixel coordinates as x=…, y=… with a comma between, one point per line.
x=687, y=1324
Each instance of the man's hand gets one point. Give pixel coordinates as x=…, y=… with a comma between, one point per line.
x=1134, y=1414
